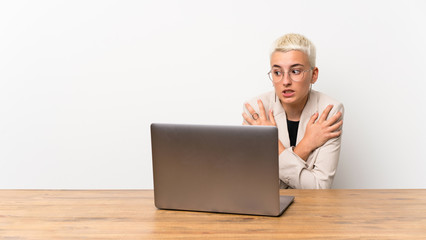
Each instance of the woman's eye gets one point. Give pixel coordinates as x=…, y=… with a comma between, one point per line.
x=277, y=73
x=296, y=71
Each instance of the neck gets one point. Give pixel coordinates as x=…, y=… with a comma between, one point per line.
x=294, y=111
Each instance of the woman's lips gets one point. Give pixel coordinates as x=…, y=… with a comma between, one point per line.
x=288, y=93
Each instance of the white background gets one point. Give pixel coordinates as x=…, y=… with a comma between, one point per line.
x=81, y=82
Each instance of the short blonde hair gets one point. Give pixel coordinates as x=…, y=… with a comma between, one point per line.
x=294, y=41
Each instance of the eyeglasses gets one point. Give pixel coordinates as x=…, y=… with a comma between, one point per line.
x=295, y=74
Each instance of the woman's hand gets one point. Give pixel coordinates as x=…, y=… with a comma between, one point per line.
x=258, y=118
x=319, y=132
x=261, y=119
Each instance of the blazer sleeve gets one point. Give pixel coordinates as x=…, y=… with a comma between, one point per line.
x=318, y=171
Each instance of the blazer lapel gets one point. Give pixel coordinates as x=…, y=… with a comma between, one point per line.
x=281, y=118
x=281, y=121
x=310, y=108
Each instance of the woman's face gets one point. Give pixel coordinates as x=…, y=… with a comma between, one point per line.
x=290, y=92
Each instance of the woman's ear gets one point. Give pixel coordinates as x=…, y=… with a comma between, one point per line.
x=314, y=75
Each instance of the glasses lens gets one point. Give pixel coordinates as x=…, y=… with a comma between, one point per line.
x=270, y=76
x=296, y=74
x=275, y=75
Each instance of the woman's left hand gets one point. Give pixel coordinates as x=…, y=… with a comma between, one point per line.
x=258, y=118
x=261, y=119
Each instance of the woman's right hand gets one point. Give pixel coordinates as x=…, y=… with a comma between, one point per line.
x=319, y=132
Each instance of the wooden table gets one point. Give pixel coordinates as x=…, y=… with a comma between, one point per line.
x=131, y=214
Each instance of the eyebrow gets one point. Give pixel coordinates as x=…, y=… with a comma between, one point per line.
x=292, y=66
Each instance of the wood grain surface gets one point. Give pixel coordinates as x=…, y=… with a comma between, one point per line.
x=131, y=214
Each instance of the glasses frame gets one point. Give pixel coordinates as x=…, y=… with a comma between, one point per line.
x=288, y=73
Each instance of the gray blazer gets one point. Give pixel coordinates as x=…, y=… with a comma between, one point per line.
x=319, y=169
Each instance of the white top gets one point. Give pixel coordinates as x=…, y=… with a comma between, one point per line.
x=319, y=169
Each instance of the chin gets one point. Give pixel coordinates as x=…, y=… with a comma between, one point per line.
x=287, y=100
x=291, y=101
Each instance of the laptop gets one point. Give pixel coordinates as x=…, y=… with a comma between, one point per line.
x=213, y=168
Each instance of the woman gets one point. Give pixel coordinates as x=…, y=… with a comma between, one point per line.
x=309, y=122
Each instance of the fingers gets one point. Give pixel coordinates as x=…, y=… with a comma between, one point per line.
x=334, y=118
x=313, y=118
x=248, y=119
x=336, y=126
x=251, y=120
x=262, y=112
x=335, y=134
x=261, y=118
x=262, y=109
x=271, y=117
x=250, y=109
x=325, y=113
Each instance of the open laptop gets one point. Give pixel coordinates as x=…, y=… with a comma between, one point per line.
x=226, y=169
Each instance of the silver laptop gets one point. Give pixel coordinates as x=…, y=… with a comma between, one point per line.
x=226, y=169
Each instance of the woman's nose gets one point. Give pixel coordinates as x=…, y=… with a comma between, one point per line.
x=286, y=79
